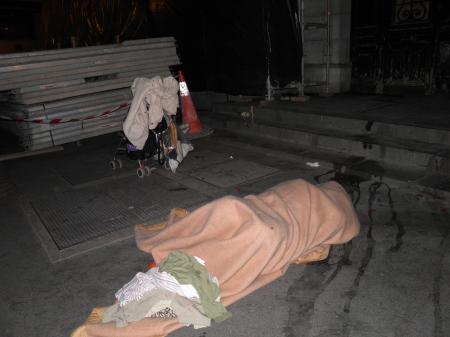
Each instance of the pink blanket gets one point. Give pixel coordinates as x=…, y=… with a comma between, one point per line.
x=248, y=242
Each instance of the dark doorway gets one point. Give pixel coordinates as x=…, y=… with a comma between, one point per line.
x=400, y=44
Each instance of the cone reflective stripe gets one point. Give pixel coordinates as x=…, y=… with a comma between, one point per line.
x=188, y=109
x=184, y=91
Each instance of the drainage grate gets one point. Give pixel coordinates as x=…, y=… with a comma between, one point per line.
x=73, y=217
x=78, y=216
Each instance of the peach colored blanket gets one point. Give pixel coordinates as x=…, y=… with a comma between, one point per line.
x=248, y=242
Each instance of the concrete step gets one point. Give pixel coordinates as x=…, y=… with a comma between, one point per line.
x=423, y=149
x=379, y=118
x=331, y=162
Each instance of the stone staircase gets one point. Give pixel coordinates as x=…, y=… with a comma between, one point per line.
x=359, y=138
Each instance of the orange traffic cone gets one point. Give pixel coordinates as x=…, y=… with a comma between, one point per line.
x=189, y=113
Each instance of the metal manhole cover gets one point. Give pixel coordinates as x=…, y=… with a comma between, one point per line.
x=233, y=173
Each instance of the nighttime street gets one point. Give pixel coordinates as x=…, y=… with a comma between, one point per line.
x=212, y=169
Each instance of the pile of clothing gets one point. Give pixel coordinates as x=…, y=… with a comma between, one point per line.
x=155, y=100
x=151, y=99
x=180, y=287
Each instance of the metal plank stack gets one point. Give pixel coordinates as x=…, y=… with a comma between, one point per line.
x=74, y=84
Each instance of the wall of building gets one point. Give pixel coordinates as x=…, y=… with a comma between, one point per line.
x=400, y=45
x=319, y=37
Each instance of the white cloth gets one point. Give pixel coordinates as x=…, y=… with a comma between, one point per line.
x=142, y=283
x=182, y=150
x=150, y=98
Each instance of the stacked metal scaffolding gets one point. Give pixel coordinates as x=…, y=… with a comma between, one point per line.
x=76, y=84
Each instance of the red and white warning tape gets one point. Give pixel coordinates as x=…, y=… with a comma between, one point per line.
x=63, y=120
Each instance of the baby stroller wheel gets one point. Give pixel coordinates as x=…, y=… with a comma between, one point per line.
x=140, y=172
x=148, y=170
x=113, y=164
x=119, y=163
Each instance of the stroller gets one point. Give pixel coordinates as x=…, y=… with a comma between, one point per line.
x=154, y=109
x=155, y=147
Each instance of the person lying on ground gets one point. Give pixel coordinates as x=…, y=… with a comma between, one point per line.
x=245, y=242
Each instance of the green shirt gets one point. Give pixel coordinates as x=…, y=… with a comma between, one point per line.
x=187, y=270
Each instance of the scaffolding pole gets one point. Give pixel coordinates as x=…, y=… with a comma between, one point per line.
x=327, y=74
x=301, y=22
x=326, y=63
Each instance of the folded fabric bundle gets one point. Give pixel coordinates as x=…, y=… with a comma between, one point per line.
x=246, y=242
x=181, y=285
x=185, y=311
x=188, y=271
x=152, y=279
x=151, y=98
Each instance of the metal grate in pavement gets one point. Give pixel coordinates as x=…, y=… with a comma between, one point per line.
x=73, y=217
x=78, y=216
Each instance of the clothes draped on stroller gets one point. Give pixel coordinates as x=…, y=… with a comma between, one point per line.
x=149, y=130
x=153, y=148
